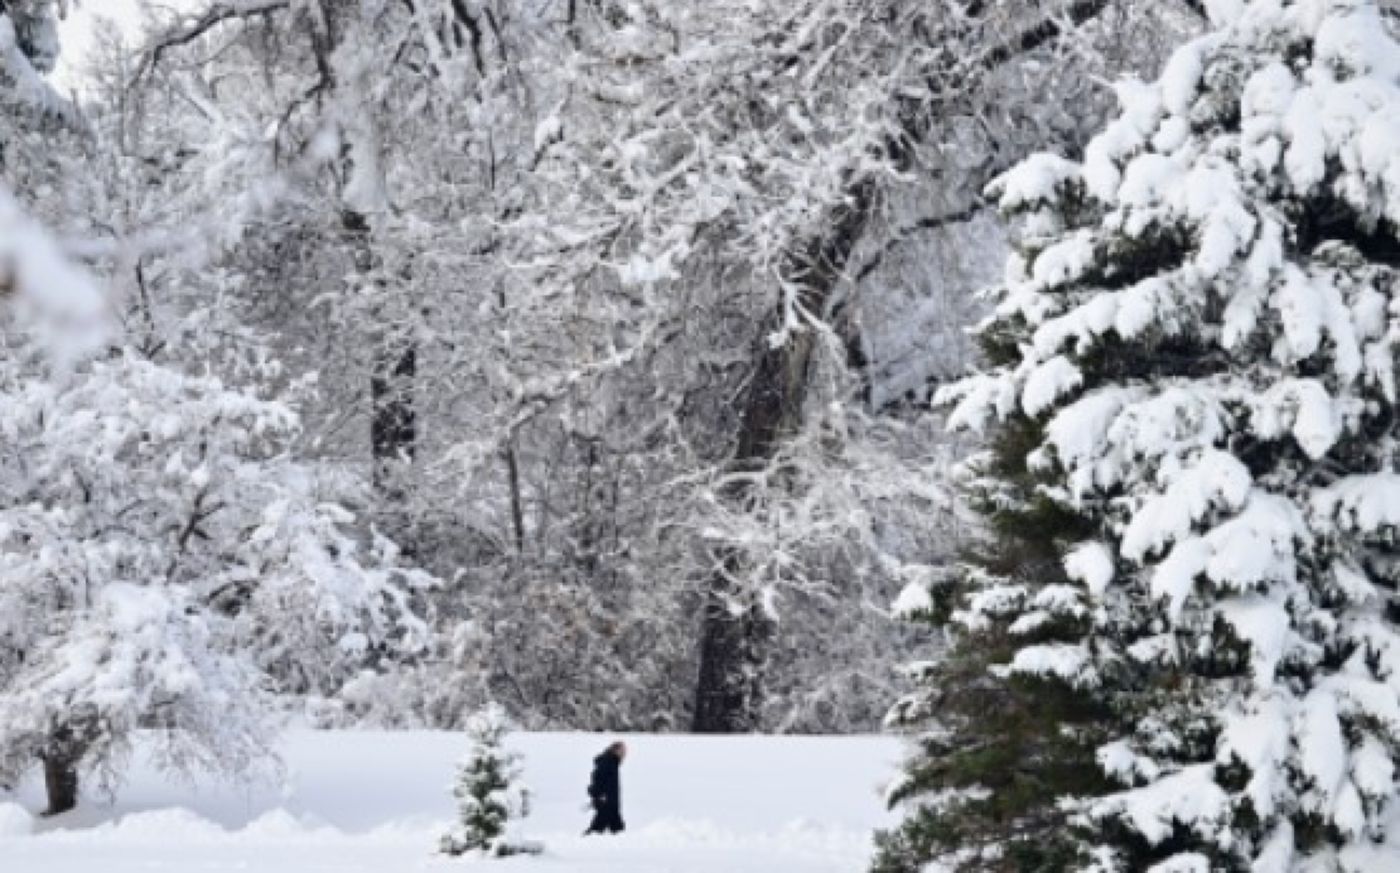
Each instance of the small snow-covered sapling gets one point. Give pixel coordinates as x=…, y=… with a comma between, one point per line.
x=488, y=791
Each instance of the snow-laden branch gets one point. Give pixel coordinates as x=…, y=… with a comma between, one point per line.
x=191, y=27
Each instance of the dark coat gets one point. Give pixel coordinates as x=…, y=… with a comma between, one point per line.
x=606, y=785
x=605, y=790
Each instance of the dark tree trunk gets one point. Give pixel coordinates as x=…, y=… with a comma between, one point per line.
x=733, y=642
x=517, y=502
x=393, y=439
x=393, y=419
x=734, y=628
x=61, y=756
x=394, y=426
x=393, y=435
x=61, y=784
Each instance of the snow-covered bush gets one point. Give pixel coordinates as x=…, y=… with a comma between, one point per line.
x=163, y=564
x=488, y=791
x=1195, y=356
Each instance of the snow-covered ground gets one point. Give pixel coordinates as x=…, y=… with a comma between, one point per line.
x=371, y=801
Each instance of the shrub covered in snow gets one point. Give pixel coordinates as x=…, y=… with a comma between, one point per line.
x=163, y=563
x=488, y=792
x=1195, y=351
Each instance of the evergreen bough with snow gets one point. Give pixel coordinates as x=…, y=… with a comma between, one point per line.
x=488, y=792
x=1191, y=407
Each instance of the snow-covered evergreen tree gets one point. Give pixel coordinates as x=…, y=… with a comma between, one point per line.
x=488, y=790
x=1195, y=351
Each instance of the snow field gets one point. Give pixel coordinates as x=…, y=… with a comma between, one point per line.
x=378, y=801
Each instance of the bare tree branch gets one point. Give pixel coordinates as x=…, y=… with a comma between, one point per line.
x=216, y=14
x=932, y=222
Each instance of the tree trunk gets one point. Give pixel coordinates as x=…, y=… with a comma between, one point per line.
x=394, y=422
x=733, y=643
x=734, y=628
x=393, y=426
x=61, y=775
x=517, y=502
x=61, y=784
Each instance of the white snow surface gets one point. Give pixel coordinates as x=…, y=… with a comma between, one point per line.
x=353, y=801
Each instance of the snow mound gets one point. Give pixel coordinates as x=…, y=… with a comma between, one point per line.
x=14, y=821
x=157, y=824
x=278, y=824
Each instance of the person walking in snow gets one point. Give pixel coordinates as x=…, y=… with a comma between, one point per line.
x=605, y=791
